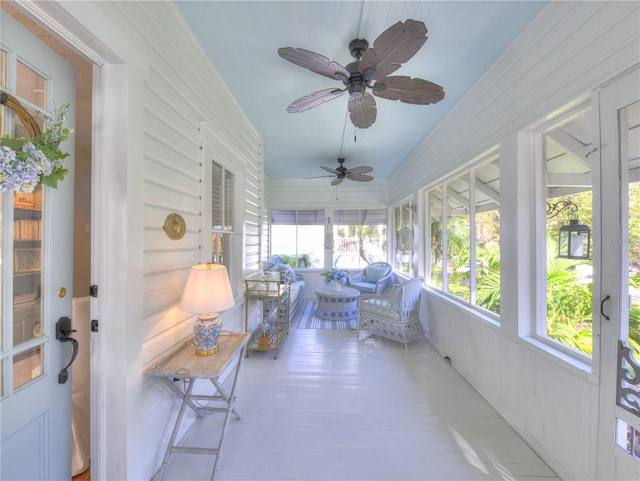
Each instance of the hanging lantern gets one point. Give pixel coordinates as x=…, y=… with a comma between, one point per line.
x=574, y=241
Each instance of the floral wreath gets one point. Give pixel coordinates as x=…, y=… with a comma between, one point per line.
x=27, y=163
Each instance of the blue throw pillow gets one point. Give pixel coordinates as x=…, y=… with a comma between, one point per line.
x=375, y=273
x=286, y=273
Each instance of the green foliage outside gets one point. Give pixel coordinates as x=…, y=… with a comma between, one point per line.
x=302, y=260
x=569, y=305
x=569, y=296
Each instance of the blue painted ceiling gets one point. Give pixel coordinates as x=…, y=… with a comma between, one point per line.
x=242, y=39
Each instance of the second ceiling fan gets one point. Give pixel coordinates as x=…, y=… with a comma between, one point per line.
x=390, y=50
x=341, y=172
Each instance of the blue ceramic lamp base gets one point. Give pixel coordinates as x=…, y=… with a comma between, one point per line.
x=207, y=330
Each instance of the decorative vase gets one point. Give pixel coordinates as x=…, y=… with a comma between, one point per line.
x=207, y=328
x=336, y=286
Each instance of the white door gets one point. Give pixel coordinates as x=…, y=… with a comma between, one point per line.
x=619, y=425
x=36, y=255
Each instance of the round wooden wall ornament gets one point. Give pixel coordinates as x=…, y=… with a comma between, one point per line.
x=174, y=226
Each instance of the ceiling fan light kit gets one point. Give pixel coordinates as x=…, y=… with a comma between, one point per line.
x=390, y=50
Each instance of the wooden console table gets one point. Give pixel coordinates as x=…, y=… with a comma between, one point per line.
x=183, y=363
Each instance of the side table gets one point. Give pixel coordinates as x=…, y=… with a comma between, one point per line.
x=337, y=305
x=183, y=363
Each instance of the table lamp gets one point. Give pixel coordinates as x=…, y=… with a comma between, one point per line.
x=207, y=292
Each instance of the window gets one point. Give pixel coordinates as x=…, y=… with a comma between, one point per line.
x=565, y=284
x=297, y=236
x=487, y=235
x=222, y=215
x=403, y=225
x=435, y=247
x=360, y=237
x=463, y=251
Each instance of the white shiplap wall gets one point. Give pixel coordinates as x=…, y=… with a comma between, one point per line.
x=319, y=194
x=176, y=102
x=571, y=49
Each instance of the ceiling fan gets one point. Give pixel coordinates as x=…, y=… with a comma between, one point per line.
x=390, y=50
x=341, y=172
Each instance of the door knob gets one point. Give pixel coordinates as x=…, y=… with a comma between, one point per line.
x=63, y=334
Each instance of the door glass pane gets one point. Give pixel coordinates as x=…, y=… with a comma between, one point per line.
x=458, y=237
x=3, y=68
x=628, y=438
x=435, y=228
x=31, y=86
x=27, y=366
x=569, y=200
x=27, y=264
x=630, y=141
x=1, y=277
x=3, y=83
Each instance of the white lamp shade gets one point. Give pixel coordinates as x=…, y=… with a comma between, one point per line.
x=207, y=289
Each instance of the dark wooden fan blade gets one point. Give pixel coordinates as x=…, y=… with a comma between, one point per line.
x=329, y=169
x=392, y=48
x=313, y=100
x=363, y=169
x=360, y=178
x=337, y=181
x=315, y=62
x=363, y=112
x=408, y=90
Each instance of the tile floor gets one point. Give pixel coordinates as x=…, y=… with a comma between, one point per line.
x=335, y=408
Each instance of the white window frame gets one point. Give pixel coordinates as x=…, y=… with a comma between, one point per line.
x=209, y=154
x=329, y=263
x=531, y=144
x=425, y=246
x=296, y=224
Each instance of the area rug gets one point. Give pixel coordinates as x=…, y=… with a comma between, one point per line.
x=308, y=320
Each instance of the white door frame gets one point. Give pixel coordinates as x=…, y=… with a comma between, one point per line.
x=623, y=91
x=108, y=237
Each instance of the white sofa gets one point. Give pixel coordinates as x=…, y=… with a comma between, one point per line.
x=296, y=283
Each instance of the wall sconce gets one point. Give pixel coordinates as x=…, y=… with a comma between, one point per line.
x=207, y=292
x=574, y=240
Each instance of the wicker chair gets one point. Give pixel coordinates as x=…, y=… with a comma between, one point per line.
x=394, y=313
x=374, y=278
